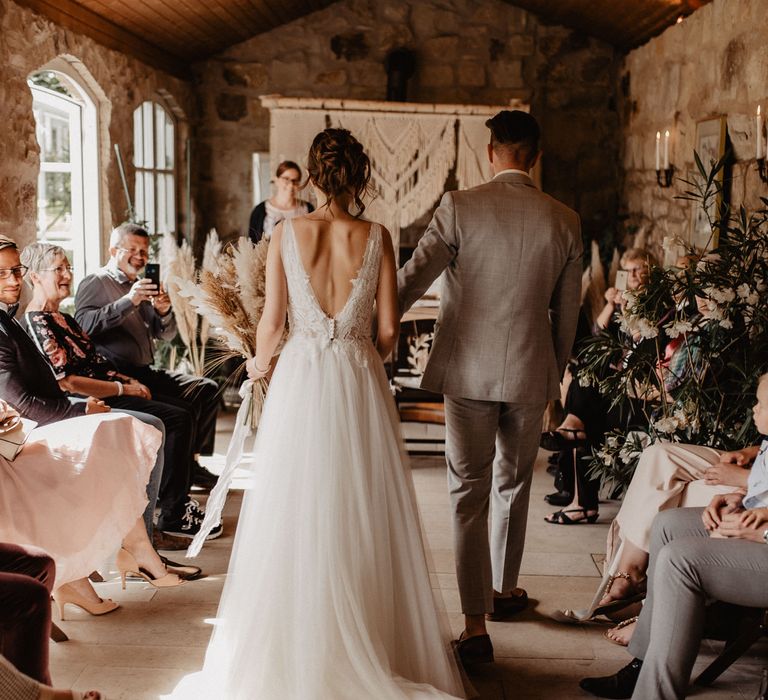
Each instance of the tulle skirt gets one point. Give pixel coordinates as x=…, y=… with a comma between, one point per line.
x=77, y=487
x=328, y=595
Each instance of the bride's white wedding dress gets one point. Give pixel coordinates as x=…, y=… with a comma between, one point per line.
x=328, y=595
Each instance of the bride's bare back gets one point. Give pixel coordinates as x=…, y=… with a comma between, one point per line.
x=331, y=252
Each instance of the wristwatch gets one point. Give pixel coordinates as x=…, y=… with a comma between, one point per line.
x=765, y=536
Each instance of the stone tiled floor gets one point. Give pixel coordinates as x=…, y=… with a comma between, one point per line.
x=143, y=649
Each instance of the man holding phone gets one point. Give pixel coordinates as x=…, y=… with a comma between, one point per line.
x=124, y=314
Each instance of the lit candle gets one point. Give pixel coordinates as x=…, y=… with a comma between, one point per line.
x=759, y=134
x=666, y=150
x=658, y=150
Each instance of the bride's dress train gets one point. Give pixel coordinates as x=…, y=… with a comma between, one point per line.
x=328, y=595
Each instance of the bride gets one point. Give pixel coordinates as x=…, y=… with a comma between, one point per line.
x=328, y=594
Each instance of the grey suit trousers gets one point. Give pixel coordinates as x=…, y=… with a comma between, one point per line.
x=491, y=448
x=688, y=569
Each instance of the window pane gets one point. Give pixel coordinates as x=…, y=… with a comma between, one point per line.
x=159, y=136
x=170, y=199
x=160, y=208
x=52, y=132
x=54, y=204
x=170, y=144
x=138, y=139
x=149, y=202
x=149, y=154
x=138, y=200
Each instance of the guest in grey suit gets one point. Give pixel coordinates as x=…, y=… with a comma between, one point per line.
x=697, y=555
x=511, y=258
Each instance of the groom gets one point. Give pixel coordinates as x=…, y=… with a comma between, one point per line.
x=511, y=258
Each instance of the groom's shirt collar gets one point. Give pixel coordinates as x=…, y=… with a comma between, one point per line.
x=511, y=171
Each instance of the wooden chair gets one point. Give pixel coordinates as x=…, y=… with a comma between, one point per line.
x=739, y=628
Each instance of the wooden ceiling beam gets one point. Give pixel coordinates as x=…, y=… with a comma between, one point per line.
x=71, y=15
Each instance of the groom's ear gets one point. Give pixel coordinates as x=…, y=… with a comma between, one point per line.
x=490, y=152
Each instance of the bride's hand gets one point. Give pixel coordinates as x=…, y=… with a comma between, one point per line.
x=253, y=371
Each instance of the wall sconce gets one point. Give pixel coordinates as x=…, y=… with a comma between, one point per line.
x=762, y=170
x=663, y=176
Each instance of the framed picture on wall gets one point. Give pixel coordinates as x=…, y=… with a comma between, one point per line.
x=710, y=145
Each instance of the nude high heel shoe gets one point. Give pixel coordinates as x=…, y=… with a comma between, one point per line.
x=65, y=594
x=127, y=564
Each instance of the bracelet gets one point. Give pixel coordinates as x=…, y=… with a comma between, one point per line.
x=259, y=369
x=765, y=536
x=119, y=388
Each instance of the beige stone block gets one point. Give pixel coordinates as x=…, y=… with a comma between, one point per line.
x=443, y=48
x=471, y=74
x=284, y=74
x=507, y=74
x=520, y=45
x=335, y=77
x=436, y=76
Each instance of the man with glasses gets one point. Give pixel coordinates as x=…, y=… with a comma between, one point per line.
x=124, y=314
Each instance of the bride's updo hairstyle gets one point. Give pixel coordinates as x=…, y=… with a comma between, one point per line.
x=338, y=166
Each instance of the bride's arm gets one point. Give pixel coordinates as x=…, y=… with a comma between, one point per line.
x=387, y=308
x=272, y=322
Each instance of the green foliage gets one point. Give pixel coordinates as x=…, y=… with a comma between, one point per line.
x=718, y=302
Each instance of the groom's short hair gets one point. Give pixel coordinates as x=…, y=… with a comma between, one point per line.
x=516, y=132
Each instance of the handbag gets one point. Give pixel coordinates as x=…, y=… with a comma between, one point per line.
x=14, y=431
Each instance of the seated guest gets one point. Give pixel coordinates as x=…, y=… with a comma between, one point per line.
x=588, y=414
x=696, y=555
x=96, y=487
x=124, y=314
x=26, y=582
x=66, y=492
x=15, y=685
x=80, y=369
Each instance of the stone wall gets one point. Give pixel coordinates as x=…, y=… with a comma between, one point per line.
x=30, y=41
x=713, y=63
x=468, y=51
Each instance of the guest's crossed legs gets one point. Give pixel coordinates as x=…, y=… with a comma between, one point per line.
x=688, y=568
x=198, y=394
x=491, y=448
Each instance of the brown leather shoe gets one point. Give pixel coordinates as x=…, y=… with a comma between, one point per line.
x=473, y=650
x=505, y=608
x=170, y=543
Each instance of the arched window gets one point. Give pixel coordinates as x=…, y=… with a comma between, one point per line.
x=154, y=149
x=68, y=182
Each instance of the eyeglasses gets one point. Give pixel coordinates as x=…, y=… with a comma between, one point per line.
x=60, y=270
x=635, y=270
x=134, y=252
x=296, y=181
x=19, y=271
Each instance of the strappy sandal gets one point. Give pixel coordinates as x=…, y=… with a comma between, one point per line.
x=626, y=623
x=555, y=441
x=614, y=605
x=560, y=517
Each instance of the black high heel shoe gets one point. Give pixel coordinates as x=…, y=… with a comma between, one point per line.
x=555, y=441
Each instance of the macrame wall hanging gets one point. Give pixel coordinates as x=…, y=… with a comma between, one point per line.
x=413, y=147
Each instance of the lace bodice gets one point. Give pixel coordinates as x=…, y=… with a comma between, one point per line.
x=349, y=330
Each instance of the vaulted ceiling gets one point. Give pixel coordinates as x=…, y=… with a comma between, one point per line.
x=171, y=34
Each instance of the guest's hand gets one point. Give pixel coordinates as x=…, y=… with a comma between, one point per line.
x=741, y=457
x=135, y=388
x=94, y=405
x=253, y=371
x=742, y=526
x=755, y=518
x=613, y=295
x=726, y=474
x=162, y=302
x=721, y=505
x=143, y=290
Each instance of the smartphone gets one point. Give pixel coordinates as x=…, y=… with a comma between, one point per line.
x=621, y=279
x=152, y=272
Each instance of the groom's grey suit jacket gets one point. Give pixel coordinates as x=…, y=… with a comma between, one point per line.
x=510, y=294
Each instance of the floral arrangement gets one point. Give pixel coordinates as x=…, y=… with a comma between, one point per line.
x=418, y=352
x=714, y=309
x=179, y=270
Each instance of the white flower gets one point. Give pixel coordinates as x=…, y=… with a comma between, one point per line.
x=646, y=329
x=720, y=295
x=612, y=441
x=677, y=328
x=743, y=290
x=726, y=323
x=681, y=417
